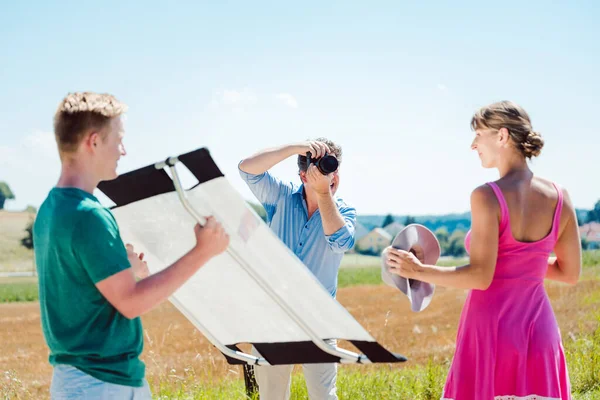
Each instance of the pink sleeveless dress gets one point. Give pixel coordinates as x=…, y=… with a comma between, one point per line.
x=508, y=344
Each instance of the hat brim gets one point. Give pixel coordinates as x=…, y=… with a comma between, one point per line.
x=426, y=247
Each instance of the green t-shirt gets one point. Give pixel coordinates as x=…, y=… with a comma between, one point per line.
x=77, y=244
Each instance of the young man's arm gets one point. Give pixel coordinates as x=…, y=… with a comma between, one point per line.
x=133, y=299
x=99, y=247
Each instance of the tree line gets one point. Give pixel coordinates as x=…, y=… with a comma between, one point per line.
x=452, y=243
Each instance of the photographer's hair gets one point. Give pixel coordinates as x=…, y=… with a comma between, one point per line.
x=507, y=114
x=82, y=112
x=335, y=149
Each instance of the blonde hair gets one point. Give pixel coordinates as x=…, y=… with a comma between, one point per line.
x=80, y=112
x=507, y=114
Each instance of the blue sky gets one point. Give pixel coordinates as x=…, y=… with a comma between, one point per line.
x=394, y=83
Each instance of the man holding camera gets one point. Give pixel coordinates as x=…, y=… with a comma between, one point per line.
x=316, y=225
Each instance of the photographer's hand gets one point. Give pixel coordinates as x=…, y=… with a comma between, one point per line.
x=320, y=183
x=317, y=149
x=267, y=158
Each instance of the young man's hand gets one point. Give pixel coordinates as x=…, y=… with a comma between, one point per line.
x=139, y=266
x=211, y=239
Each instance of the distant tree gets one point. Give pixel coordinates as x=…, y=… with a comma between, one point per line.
x=27, y=241
x=31, y=209
x=594, y=214
x=369, y=252
x=409, y=220
x=456, y=247
x=584, y=244
x=442, y=236
x=387, y=220
x=5, y=194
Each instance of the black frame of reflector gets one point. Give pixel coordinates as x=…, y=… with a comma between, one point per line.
x=306, y=352
x=149, y=181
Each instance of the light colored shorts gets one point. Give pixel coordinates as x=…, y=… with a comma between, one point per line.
x=69, y=383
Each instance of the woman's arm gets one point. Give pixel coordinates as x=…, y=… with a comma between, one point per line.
x=478, y=274
x=566, y=266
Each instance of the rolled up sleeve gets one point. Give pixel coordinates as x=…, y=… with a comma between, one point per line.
x=342, y=240
x=267, y=188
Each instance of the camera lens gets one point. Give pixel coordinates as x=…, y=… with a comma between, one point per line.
x=327, y=164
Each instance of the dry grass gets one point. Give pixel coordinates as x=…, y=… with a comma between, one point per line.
x=175, y=351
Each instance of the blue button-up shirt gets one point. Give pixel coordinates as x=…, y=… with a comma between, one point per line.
x=287, y=215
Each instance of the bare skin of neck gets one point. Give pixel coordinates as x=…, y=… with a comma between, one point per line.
x=76, y=174
x=514, y=167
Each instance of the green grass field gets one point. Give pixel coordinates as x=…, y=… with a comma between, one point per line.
x=18, y=290
x=591, y=258
x=366, y=272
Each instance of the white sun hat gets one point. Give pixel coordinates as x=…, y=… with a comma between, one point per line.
x=425, y=246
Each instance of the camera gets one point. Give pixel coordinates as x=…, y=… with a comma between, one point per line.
x=326, y=164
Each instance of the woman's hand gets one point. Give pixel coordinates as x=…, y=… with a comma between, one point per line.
x=402, y=263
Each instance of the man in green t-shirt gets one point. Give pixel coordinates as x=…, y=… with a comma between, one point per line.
x=90, y=299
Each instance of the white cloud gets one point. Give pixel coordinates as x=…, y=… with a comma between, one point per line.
x=233, y=99
x=287, y=99
x=442, y=87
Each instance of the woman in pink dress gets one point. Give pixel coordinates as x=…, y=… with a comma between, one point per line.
x=509, y=346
